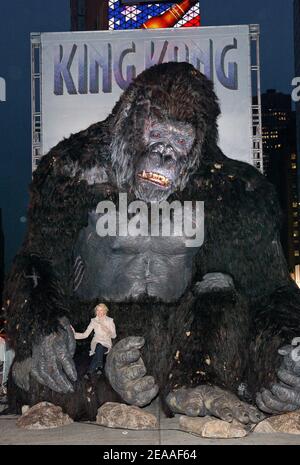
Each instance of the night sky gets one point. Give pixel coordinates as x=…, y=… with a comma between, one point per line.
x=18, y=18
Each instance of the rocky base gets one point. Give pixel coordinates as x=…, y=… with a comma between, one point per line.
x=209, y=427
x=115, y=415
x=43, y=416
x=288, y=423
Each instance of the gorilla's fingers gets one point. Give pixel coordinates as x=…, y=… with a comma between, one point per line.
x=131, y=342
x=240, y=413
x=41, y=375
x=21, y=372
x=144, y=398
x=48, y=370
x=134, y=372
x=261, y=405
x=275, y=405
x=194, y=410
x=254, y=414
x=224, y=413
x=66, y=361
x=288, y=378
x=286, y=395
x=174, y=401
x=61, y=382
x=68, y=335
x=35, y=373
x=144, y=384
x=125, y=358
x=285, y=350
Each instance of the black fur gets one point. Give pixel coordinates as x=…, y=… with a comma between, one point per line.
x=223, y=339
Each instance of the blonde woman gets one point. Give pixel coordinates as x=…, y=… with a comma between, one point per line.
x=104, y=331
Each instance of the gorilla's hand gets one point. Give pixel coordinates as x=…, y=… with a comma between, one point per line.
x=126, y=371
x=285, y=395
x=52, y=359
x=211, y=400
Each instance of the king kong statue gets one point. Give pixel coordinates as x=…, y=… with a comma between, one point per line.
x=211, y=329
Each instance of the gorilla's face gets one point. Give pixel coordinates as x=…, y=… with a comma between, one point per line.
x=168, y=145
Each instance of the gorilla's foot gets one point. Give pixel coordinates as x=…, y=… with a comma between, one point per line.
x=283, y=396
x=126, y=371
x=211, y=400
x=214, y=282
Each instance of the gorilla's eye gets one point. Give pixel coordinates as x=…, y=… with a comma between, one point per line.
x=181, y=141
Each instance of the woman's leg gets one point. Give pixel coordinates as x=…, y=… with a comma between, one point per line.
x=97, y=359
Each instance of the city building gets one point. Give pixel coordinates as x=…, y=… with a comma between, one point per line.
x=89, y=15
x=280, y=166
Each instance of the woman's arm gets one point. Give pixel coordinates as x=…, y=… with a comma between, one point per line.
x=86, y=333
x=113, y=333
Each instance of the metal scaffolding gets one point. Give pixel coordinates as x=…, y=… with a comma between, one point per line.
x=36, y=99
x=257, y=144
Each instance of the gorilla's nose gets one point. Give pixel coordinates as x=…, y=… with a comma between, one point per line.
x=168, y=153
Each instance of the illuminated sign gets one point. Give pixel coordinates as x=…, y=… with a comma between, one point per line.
x=129, y=14
x=136, y=2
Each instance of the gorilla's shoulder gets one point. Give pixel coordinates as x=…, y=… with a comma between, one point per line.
x=256, y=192
x=84, y=155
x=246, y=173
x=236, y=185
x=239, y=174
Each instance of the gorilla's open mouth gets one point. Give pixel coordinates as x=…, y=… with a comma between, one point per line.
x=155, y=178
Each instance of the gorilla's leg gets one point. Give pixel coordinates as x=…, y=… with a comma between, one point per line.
x=274, y=370
x=214, y=361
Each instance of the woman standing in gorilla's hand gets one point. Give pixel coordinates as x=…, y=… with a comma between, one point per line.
x=104, y=331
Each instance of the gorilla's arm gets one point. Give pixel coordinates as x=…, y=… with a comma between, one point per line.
x=242, y=249
x=37, y=290
x=274, y=304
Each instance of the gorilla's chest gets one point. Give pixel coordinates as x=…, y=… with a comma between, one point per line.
x=119, y=268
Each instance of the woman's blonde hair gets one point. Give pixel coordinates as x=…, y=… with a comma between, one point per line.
x=103, y=306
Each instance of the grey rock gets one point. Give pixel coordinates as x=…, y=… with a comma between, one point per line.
x=25, y=409
x=214, y=282
x=208, y=427
x=115, y=415
x=287, y=423
x=44, y=416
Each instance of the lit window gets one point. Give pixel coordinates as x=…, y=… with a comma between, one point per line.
x=296, y=233
x=295, y=204
x=294, y=166
x=297, y=254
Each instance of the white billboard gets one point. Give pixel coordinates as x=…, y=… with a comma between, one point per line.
x=84, y=73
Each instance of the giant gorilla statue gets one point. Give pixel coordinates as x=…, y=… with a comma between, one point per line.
x=212, y=329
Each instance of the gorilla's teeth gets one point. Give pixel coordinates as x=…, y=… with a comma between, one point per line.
x=155, y=177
